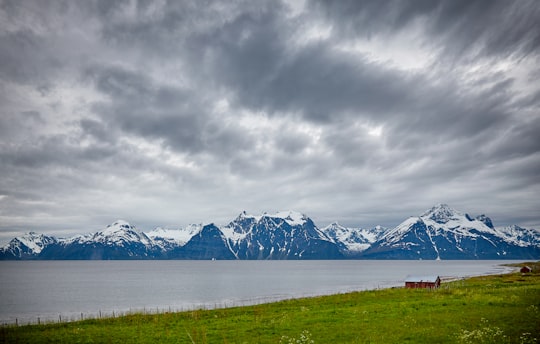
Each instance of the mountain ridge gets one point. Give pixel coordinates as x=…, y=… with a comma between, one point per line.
x=444, y=233
x=438, y=233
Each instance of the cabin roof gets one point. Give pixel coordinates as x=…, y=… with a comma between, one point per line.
x=424, y=278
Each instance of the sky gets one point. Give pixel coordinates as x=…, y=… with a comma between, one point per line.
x=166, y=113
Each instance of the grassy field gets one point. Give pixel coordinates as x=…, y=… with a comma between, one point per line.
x=489, y=309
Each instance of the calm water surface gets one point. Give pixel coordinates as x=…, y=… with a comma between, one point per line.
x=50, y=290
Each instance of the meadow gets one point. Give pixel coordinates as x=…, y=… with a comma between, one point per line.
x=488, y=309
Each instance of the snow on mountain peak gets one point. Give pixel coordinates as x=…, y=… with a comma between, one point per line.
x=180, y=236
x=293, y=218
x=33, y=241
x=244, y=215
x=402, y=229
x=520, y=236
x=354, y=239
x=119, y=225
x=441, y=213
x=118, y=228
x=120, y=231
x=442, y=217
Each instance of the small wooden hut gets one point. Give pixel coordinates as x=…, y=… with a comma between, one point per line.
x=525, y=270
x=429, y=282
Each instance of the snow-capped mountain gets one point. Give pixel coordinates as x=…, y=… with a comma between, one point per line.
x=27, y=246
x=352, y=241
x=520, y=236
x=444, y=233
x=119, y=240
x=439, y=233
x=168, y=238
x=120, y=233
x=283, y=235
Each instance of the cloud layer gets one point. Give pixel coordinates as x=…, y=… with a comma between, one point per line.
x=361, y=111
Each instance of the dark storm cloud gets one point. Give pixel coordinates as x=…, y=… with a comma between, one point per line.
x=168, y=30
x=52, y=152
x=139, y=105
x=136, y=105
x=253, y=56
x=291, y=143
x=13, y=125
x=517, y=141
x=32, y=51
x=449, y=114
x=97, y=130
x=21, y=46
x=325, y=85
x=155, y=111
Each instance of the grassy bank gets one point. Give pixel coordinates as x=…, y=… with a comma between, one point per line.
x=489, y=309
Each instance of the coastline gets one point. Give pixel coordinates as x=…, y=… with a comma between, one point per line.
x=75, y=316
x=502, y=305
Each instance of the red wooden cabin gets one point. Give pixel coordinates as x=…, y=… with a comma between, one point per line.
x=429, y=282
x=525, y=270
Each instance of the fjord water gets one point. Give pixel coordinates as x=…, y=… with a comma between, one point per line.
x=54, y=290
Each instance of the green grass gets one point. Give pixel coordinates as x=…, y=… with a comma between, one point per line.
x=490, y=309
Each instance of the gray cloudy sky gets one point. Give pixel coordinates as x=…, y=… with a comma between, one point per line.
x=168, y=113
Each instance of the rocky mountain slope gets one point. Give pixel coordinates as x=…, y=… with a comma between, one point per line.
x=284, y=235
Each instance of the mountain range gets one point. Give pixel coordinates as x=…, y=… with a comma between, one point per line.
x=439, y=233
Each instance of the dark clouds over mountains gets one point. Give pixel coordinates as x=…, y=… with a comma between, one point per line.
x=170, y=113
